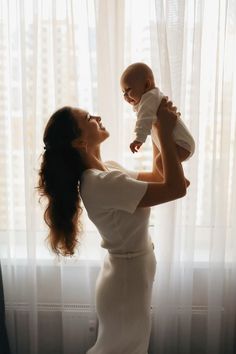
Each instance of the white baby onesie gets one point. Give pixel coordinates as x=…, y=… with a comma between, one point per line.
x=146, y=111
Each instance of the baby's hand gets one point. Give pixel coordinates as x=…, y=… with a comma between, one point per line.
x=135, y=146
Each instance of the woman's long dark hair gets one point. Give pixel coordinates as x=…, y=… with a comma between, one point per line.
x=59, y=178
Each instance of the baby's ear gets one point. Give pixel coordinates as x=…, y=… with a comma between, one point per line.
x=148, y=84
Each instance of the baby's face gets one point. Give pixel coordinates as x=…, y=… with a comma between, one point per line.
x=133, y=90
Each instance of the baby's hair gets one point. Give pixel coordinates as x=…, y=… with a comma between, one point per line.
x=140, y=71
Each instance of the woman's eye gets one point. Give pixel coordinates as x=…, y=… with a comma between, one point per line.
x=88, y=117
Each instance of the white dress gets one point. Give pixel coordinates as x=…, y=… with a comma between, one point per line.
x=124, y=284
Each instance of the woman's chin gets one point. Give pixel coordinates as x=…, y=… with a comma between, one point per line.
x=106, y=134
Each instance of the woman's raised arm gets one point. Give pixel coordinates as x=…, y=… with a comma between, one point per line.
x=173, y=185
x=151, y=176
x=154, y=175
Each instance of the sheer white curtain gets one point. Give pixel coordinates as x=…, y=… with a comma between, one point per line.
x=56, y=53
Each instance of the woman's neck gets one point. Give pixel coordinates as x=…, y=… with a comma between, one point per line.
x=92, y=158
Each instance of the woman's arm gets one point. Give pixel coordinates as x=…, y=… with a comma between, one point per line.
x=173, y=185
x=153, y=176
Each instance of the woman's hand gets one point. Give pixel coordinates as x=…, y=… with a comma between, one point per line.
x=166, y=118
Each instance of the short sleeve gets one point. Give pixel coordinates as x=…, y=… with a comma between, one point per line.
x=116, y=190
x=115, y=165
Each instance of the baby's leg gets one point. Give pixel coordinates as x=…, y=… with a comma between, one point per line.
x=182, y=154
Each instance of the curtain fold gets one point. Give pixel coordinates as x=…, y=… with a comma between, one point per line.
x=72, y=52
x=3, y=332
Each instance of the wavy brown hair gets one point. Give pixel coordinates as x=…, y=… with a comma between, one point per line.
x=59, y=179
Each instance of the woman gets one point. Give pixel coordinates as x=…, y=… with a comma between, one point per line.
x=118, y=202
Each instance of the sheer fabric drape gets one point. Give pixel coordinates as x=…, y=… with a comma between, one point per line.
x=56, y=53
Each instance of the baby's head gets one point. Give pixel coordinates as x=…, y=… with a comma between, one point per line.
x=135, y=81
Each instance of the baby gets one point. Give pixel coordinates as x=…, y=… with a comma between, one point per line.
x=138, y=85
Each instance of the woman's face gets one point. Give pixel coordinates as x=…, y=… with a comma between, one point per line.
x=93, y=132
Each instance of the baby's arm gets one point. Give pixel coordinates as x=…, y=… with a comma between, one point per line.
x=146, y=115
